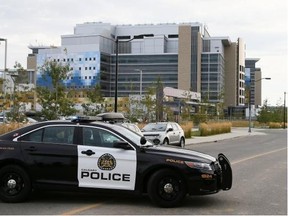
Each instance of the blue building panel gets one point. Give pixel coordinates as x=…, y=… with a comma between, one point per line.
x=85, y=69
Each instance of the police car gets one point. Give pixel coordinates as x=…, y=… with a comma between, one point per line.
x=84, y=154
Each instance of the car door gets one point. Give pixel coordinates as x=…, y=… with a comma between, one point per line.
x=171, y=133
x=176, y=133
x=50, y=154
x=101, y=165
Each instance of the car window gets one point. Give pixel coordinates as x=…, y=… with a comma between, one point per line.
x=58, y=134
x=35, y=136
x=53, y=134
x=175, y=128
x=169, y=126
x=155, y=127
x=98, y=137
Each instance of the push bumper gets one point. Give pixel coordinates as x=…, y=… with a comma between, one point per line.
x=226, y=181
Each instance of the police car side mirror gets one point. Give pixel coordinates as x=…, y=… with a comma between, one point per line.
x=143, y=140
x=122, y=145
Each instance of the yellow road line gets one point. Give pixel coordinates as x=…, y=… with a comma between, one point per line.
x=256, y=156
x=79, y=210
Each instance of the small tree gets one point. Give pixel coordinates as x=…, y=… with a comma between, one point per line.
x=54, y=100
x=149, y=101
x=94, y=107
x=18, y=97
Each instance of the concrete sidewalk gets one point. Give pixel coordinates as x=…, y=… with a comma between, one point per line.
x=235, y=132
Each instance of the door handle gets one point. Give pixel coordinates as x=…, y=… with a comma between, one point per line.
x=88, y=152
x=31, y=149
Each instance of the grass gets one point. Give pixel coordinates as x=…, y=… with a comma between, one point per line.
x=7, y=127
x=212, y=128
x=187, y=128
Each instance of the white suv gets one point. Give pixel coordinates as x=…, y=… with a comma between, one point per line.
x=164, y=133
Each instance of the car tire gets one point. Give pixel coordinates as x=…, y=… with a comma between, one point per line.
x=166, y=141
x=182, y=142
x=15, y=184
x=166, y=188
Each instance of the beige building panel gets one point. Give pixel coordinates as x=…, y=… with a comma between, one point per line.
x=258, y=89
x=184, y=57
x=199, y=48
x=230, y=92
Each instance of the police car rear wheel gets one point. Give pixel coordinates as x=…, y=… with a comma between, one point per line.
x=15, y=184
x=166, y=188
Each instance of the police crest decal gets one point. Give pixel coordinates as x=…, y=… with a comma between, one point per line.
x=106, y=162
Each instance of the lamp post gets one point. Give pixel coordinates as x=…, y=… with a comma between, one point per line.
x=266, y=78
x=140, y=90
x=4, y=77
x=116, y=63
x=5, y=63
x=284, y=119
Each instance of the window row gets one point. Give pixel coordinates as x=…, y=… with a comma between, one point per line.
x=81, y=78
x=67, y=135
x=87, y=68
x=72, y=60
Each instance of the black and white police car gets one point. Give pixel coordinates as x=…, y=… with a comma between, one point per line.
x=84, y=154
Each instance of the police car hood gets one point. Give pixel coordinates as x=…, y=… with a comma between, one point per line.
x=180, y=153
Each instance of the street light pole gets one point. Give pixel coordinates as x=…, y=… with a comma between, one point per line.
x=284, y=120
x=140, y=89
x=4, y=78
x=116, y=63
x=116, y=76
x=266, y=78
x=5, y=63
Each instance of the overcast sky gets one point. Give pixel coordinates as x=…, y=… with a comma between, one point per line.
x=261, y=23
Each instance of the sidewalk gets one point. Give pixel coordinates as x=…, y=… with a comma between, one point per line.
x=235, y=132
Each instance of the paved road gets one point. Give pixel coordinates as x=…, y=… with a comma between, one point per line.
x=259, y=165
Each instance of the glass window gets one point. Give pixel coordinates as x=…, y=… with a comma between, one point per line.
x=58, y=134
x=99, y=137
x=175, y=128
x=54, y=134
x=34, y=136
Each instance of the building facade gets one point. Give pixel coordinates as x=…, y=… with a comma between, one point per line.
x=182, y=56
x=253, y=82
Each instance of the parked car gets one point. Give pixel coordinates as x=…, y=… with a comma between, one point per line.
x=86, y=154
x=118, y=118
x=164, y=133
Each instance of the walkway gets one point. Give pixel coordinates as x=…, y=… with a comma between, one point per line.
x=235, y=132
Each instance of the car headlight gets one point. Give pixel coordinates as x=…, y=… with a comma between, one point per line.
x=197, y=165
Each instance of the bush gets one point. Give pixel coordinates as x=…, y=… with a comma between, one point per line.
x=187, y=128
x=240, y=123
x=275, y=125
x=212, y=128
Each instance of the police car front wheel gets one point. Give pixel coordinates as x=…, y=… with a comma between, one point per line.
x=166, y=188
x=15, y=184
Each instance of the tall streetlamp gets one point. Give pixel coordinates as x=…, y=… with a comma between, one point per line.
x=266, y=78
x=4, y=77
x=285, y=116
x=116, y=64
x=5, y=63
x=140, y=90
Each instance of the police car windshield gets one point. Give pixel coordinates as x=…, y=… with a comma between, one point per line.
x=133, y=136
